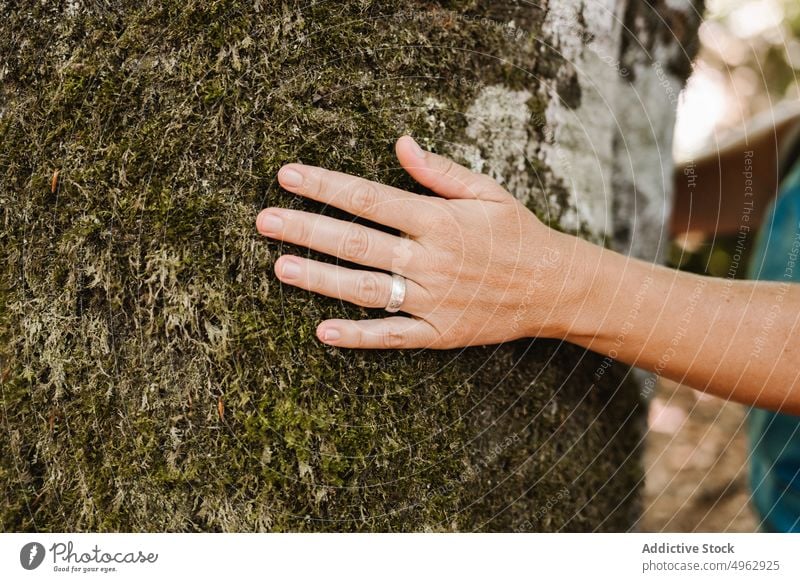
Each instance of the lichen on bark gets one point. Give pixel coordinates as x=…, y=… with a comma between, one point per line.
x=156, y=376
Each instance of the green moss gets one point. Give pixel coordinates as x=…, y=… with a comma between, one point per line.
x=156, y=375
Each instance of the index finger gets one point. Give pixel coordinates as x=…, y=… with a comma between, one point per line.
x=383, y=204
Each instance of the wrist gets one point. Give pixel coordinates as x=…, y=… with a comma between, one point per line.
x=589, y=278
x=614, y=294
x=557, y=283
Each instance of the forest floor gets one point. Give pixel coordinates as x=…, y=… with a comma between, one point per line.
x=696, y=464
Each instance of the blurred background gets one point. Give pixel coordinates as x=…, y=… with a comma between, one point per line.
x=748, y=62
x=696, y=450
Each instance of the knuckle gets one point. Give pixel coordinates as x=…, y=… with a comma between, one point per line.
x=443, y=166
x=300, y=229
x=448, y=167
x=403, y=254
x=317, y=280
x=450, y=170
x=483, y=184
x=393, y=338
x=363, y=198
x=368, y=290
x=313, y=184
x=356, y=244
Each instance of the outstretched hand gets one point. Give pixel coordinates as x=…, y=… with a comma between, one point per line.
x=480, y=268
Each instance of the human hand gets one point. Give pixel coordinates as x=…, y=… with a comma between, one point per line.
x=480, y=268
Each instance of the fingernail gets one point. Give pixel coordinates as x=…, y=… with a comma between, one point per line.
x=290, y=270
x=417, y=150
x=331, y=335
x=289, y=177
x=270, y=223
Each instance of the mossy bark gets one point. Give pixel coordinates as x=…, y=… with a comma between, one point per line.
x=156, y=376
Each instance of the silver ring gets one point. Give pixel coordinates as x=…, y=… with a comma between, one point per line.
x=398, y=294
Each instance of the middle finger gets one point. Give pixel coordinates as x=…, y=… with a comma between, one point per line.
x=346, y=240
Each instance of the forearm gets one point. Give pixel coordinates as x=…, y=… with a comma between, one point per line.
x=733, y=339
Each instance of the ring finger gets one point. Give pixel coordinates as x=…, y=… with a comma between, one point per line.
x=364, y=288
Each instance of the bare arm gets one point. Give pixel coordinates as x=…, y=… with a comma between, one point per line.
x=735, y=339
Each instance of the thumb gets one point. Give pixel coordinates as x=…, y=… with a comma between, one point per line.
x=443, y=175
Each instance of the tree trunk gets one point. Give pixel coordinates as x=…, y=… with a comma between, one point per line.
x=155, y=374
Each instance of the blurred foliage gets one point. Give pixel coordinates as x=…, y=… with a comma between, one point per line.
x=751, y=48
x=718, y=257
x=755, y=46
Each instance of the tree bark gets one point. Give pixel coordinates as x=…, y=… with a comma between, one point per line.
x=155, y=374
